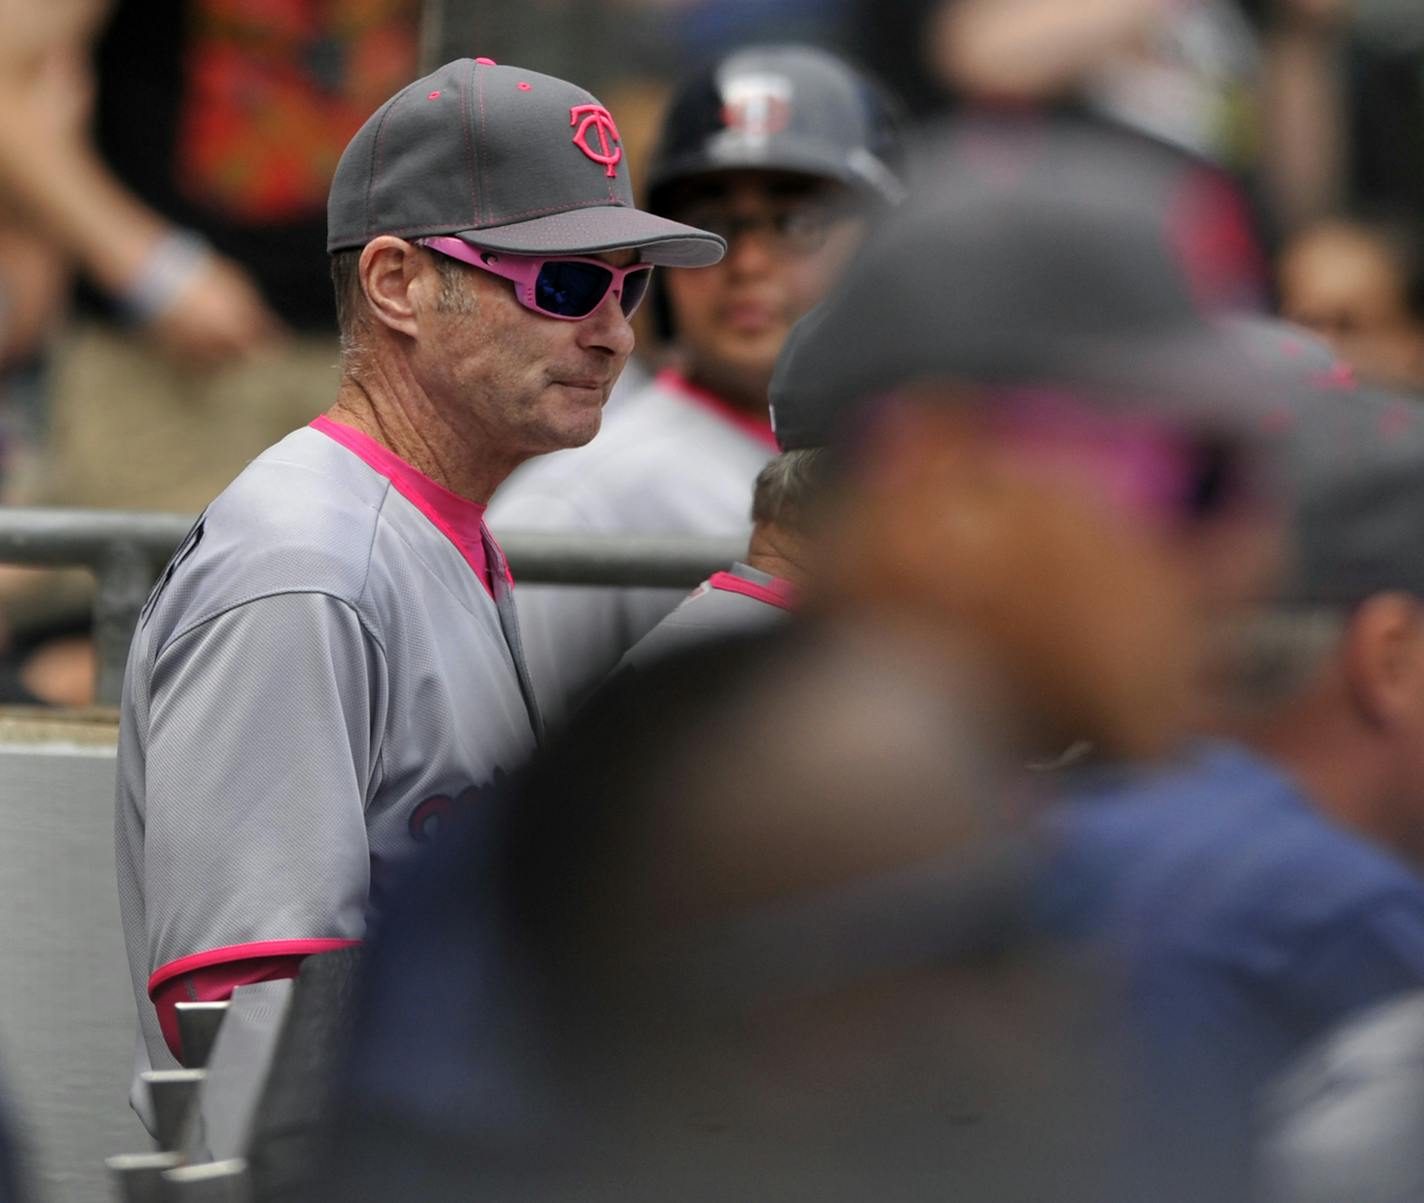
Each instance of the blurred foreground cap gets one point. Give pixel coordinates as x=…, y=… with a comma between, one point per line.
x=1036, y=253
x=780, y=108
x=507, y=159
x=1354, y=465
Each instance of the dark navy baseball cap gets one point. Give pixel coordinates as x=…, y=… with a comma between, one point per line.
x=1036, y=253
x=505, y=159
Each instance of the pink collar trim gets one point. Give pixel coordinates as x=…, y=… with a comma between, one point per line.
x=756, y=427
x=778, y=593
x=459, y=519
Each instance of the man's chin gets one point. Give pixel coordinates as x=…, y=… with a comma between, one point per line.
x=576, y=433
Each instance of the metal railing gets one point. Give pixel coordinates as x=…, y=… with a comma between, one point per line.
x=126, y=551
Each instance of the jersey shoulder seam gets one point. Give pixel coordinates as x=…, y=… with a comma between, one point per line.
x=212, y=616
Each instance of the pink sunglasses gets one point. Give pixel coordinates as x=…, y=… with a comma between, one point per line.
x=566, y=287
x=1144, y=462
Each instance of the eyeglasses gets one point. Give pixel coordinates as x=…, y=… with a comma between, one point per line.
x=566, y=287
x=794, y=228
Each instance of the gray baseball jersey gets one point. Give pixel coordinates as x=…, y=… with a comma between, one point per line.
x=321, y=674
x=672, y=460
x=736, y=602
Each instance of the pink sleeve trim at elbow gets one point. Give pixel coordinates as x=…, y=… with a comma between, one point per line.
x=242, y=952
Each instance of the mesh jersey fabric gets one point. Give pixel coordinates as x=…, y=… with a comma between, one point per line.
x=664, y=464
x=709, y=612
x=317, y=679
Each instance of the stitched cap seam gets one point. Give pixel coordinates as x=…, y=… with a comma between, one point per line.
x=477, y=197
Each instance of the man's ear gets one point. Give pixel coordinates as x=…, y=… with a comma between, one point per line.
x=1384, y=658
x=391, y=270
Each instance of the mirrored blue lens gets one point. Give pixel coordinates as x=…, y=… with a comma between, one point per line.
x=571, y=289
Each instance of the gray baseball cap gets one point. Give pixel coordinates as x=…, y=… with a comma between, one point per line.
x=1351, y=460
x=781, y=108
x=506, y=159
x=1034, y=253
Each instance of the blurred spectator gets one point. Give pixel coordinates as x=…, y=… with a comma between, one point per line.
x=1314, y=103
x=774, y=948
x=1261, y=891
x=787, y=152
x=45, y=91
x=207, y=332
x=1360, y=286
x=204, y=229
x=1182, y=72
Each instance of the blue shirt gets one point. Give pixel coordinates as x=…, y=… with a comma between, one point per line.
x=1242, y=920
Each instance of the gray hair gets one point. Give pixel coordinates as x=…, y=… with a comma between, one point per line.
x=351, y=307
x=789, y=488
x=350, y=299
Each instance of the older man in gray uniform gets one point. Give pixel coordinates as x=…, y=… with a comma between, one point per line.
x=330, y=664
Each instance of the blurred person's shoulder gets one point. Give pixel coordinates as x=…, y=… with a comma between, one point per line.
x=1221, y=842
x=711, y=612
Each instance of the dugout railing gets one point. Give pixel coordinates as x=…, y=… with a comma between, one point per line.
x=126, y=551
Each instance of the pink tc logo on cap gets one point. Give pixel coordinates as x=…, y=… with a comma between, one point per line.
x=597, y=119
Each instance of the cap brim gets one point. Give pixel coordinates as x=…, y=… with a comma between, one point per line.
x=1198, y=374
x=603, y=228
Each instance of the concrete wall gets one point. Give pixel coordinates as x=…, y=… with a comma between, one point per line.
x=66, y=1006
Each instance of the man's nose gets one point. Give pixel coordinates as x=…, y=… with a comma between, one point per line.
x=607, y=329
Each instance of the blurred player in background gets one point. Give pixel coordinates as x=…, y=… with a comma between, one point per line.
x=787, y=152
x=1266, y=887
x=330, y=664
x=763, y=588
x=1360, y=286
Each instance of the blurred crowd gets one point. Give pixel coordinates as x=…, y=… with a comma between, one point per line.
x=1036, y=809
